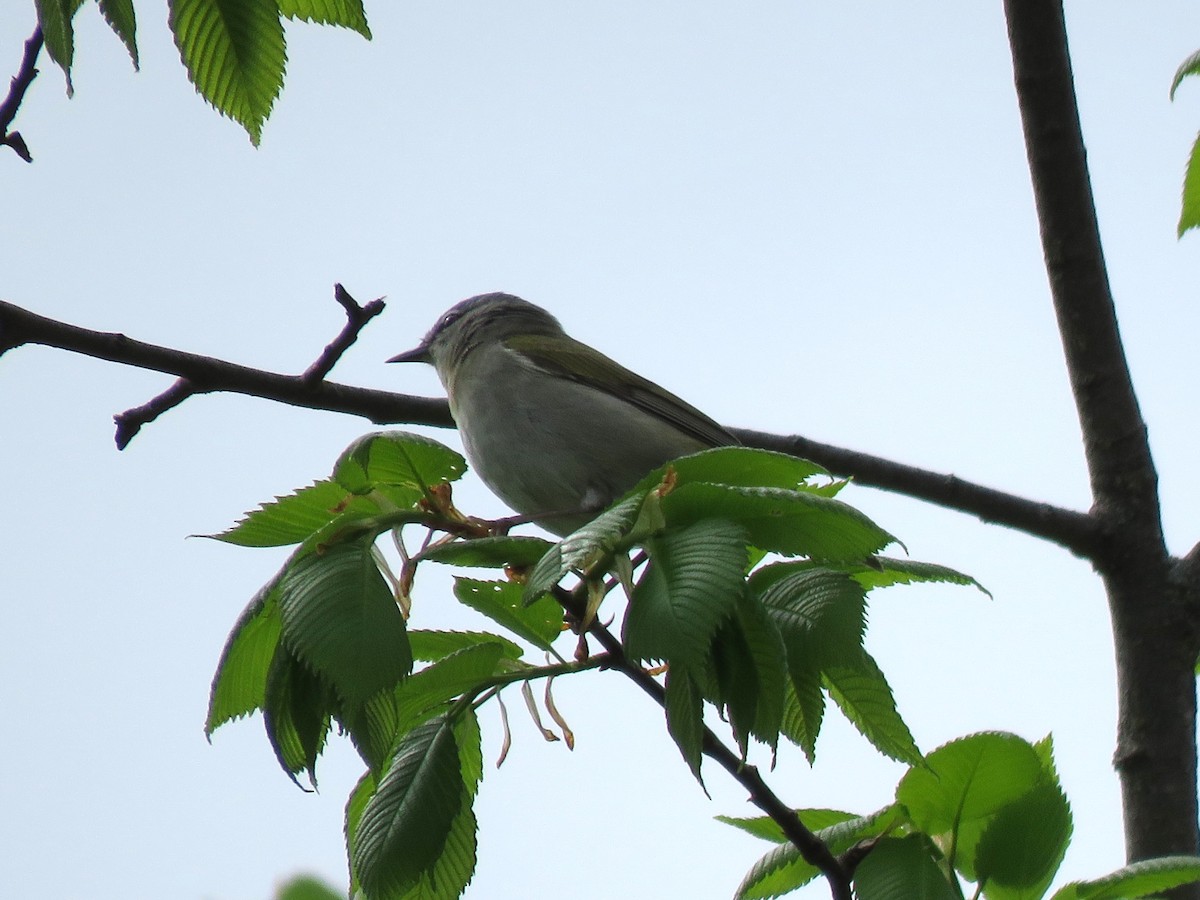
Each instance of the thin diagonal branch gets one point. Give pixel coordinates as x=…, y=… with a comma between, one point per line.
x=811, y=848
x=130, y=422
x=16, y=94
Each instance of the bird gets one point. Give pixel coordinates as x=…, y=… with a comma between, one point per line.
x=556, y=429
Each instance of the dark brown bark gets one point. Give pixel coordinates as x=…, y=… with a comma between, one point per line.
x=1153, y=619
x=17, y=87
x=203, y=374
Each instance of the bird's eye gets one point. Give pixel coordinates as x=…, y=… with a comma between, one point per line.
x=449, y=319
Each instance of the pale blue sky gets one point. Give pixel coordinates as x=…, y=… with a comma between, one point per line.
x=800, y=217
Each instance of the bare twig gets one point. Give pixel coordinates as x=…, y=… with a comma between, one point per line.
x=19, y=326
x=356, y=319
x=16, y=94
x=130, y=422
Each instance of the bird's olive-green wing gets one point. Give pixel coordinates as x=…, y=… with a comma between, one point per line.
x=568, y=358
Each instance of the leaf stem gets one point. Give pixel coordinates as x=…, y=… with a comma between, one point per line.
x=491, y=686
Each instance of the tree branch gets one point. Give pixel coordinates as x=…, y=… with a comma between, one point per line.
x=16, y=94
x=357, y=318
x=1076, y=531
x=1188, y=568
x=130, y=422
x=1123, y=479
x=812, y=848
x=18, y=326
x=1185, y=577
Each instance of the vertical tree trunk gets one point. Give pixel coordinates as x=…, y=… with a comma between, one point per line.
x=1153, y=617
x=1154, y=634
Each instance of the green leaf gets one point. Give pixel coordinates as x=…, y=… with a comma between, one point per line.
x=777, y=872
x=765, y=647
x=355, y=804
x=821, y=617
x=886, y=571
x=748, y=660
x=491, y=552
x=455, y=865
x=399, y=459
x=803, y=707
x=446, y=679
x=306, y=887
x=345, y=13
x=782, y=869
x=121, y=19
x=405, y=825
x=685, y=717
x=768, y=829
x=293, y=518
x=745, y=466
x=235, y=55
x=1189, y=212
x=450, y=874
x=240, y=683
x=372, y=727
x=788, y=522
x=501, y=601
x=690, y=586
x=902, y=869
x=296, y=713
x=736, y=684
x=858, y=687
x=1190, y=66
x=963, y=784
x=430, y=646
x=55, y=20
x=1045, y=751
x=968, y=778
x=1022, y=847
x=339, y=616
x=821, y=614
x=584, y=547
x=1139, y=879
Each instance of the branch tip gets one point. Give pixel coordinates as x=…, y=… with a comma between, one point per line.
x=130, y=422
x=357, y=318
x=16, y=94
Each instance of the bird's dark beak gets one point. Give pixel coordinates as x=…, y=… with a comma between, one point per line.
x=416, y=354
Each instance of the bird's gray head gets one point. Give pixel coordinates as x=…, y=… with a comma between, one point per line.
x=477, y=320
